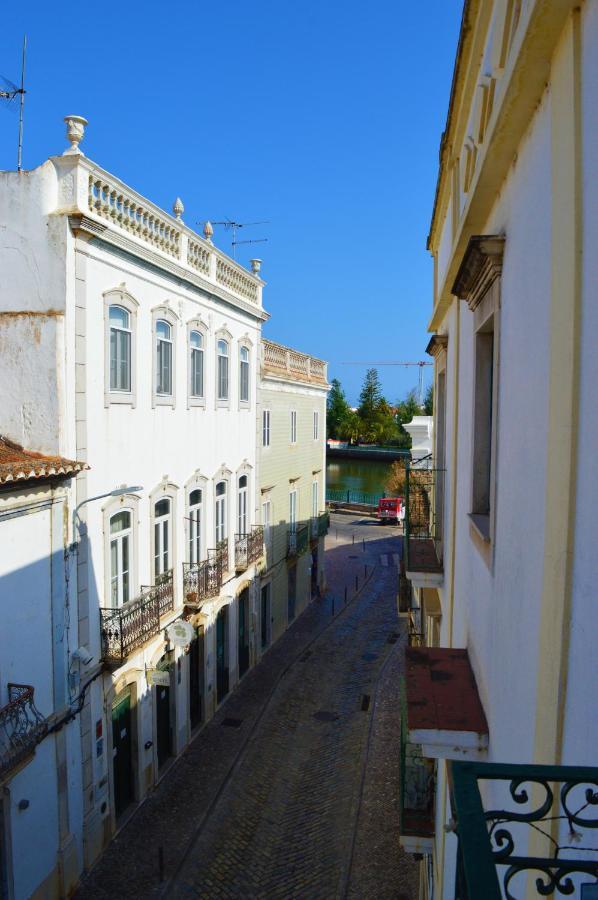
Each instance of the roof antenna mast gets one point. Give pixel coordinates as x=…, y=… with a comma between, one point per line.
x=21, y=106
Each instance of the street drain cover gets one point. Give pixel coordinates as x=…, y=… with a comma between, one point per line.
x=369, y=657
x=231, y=723
x=324, y=716
x=392, y=638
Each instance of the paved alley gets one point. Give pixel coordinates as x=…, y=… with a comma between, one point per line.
x=291, y=790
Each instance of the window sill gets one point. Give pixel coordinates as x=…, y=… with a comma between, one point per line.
x=244, y=404
x=120, y=398
x=163, y=400
x=481, y=524
x=196, y=402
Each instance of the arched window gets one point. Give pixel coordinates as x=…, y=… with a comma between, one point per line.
x=163, y=358
x=162, y=536
x=222, y=374
x=196, y=364
x=221, y=524
x=120, y=349
x=120, y=558
x=244, y=375
x=242, y=506
x=195, y=524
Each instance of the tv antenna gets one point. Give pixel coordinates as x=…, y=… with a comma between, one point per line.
x=421, y=363
x=230, y=225
x=9, y=92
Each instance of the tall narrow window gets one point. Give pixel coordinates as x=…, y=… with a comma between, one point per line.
x=314, y=498
x=266, y=428
x=316, y=424
x=196, y=363
x=195, y=524
x=244, y=375
x=120, y=537
x=293, y=427
x=163, y=358
x=221, y=524
x=242, y=506
x=293, y=511
x=267, y=521
x=222, y=374
x=161, y=536
x=120, y=349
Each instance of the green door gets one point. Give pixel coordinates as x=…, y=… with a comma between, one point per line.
x=122, y=753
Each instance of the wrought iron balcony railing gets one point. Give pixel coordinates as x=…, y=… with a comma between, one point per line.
x=22, y=727
x=541, y=829
x=222, y=554
x=417, y=792
x=131, y=625
x=424, y=498
x=298, y=540
x=319, y=525
x=249, y=547
x=202, y=581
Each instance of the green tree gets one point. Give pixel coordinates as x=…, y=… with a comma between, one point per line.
x=338, y=412
x=429, y=401
x=370, y=396
x=405, y=411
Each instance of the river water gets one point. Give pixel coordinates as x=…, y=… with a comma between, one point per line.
x=367, y=476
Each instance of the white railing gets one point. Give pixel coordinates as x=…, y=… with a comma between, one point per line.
x=198, y=257
x=301, y=366
x=234, y=279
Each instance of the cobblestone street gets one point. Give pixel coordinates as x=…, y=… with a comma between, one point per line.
x=300, y=800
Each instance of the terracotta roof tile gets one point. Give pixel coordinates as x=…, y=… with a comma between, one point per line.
x=18, y=464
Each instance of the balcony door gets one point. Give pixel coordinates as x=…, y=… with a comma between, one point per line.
x=120, y=558
x=161, y=537
x=122, y=752
x=164, y=713
x=195, y=523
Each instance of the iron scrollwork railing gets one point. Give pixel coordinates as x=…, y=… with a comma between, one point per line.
x=424, y=497
x=202, y=581
x=222, y=554
x=22, y=727
x=319, y=525
x=131, y=625
x=418, y=784
x=298, y=540
x=249, y=547
x=546, y=834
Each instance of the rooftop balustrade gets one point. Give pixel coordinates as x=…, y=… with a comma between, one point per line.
x=22, y=727
x=202, y=581
x=249, y=547
x=131, y=625
x=281, y=360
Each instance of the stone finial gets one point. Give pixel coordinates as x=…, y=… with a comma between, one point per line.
x=178, y=208
x=208, y=231
x=75, y=129
x=256, y=265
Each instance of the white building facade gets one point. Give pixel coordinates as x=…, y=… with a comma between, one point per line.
x=146, y=365
x=500, y=544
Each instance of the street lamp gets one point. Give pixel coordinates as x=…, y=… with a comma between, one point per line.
x=117, y=492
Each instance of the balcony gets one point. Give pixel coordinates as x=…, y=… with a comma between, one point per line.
x=298, y=540
x=417, y=793
x=202, y=581
x=249, y=548
x=130, y=626
x=22, y=727
x=424, y=497
x=221, y=555
x=529, y=831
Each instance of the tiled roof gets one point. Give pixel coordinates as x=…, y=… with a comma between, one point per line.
x=17, y=464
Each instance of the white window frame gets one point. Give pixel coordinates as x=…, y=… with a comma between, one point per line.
x=120, y=297
x=162, y=538
x=197, y=483
x=167, y=315
x=195, y=527
x=265, y=428
x=293, y=503
x=267, y=524
x=244, y=403
x=165, y=491
x=127, y=503
x=293, y=426
x=193, y=399
x=242, y=505
x=222, y=335
x=119, y=540
x=316, y=424
x=221, y=511
x=315, y=499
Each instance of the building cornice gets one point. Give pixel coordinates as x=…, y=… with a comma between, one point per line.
x=479, y=269
x=436, y=344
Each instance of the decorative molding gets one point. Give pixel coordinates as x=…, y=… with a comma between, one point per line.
x=437, y=344
x=480, y=267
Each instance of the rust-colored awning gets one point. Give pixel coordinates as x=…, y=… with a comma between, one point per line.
x=18, y=464
x=444, y=711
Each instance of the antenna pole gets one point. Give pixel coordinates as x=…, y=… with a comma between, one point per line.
x=22, y=104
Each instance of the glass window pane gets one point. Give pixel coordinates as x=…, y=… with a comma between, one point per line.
x=195, y=339
x=221, y=488
x=244, y=354
x=243, y=481
x=162, y=507
x=120, y=521
x=163, y=329
x=223, y=348
x=119, y=317
x=195, y=498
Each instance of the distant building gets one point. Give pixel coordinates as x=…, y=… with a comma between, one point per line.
x=500, y=546
x=292, y=465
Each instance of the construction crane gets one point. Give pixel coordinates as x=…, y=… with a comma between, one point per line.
x=421, y=363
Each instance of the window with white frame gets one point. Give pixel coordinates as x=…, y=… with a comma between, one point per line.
x=222, y=374
x=221, y=523
x=242, y=506
x=195, y=526
x=244, y=375
x=293, y=510
x=267, y=521
x=293, y=426
x=314, y=499
x=265, y=428
x=120, y=349
x=196, y=364
x=164, y=358
x=162, y=536
x=120, y=558
x=316, y=424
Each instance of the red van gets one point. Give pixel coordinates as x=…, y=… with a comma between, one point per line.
x=391, y=509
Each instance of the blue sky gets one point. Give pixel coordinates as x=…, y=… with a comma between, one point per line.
x=322, y=117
